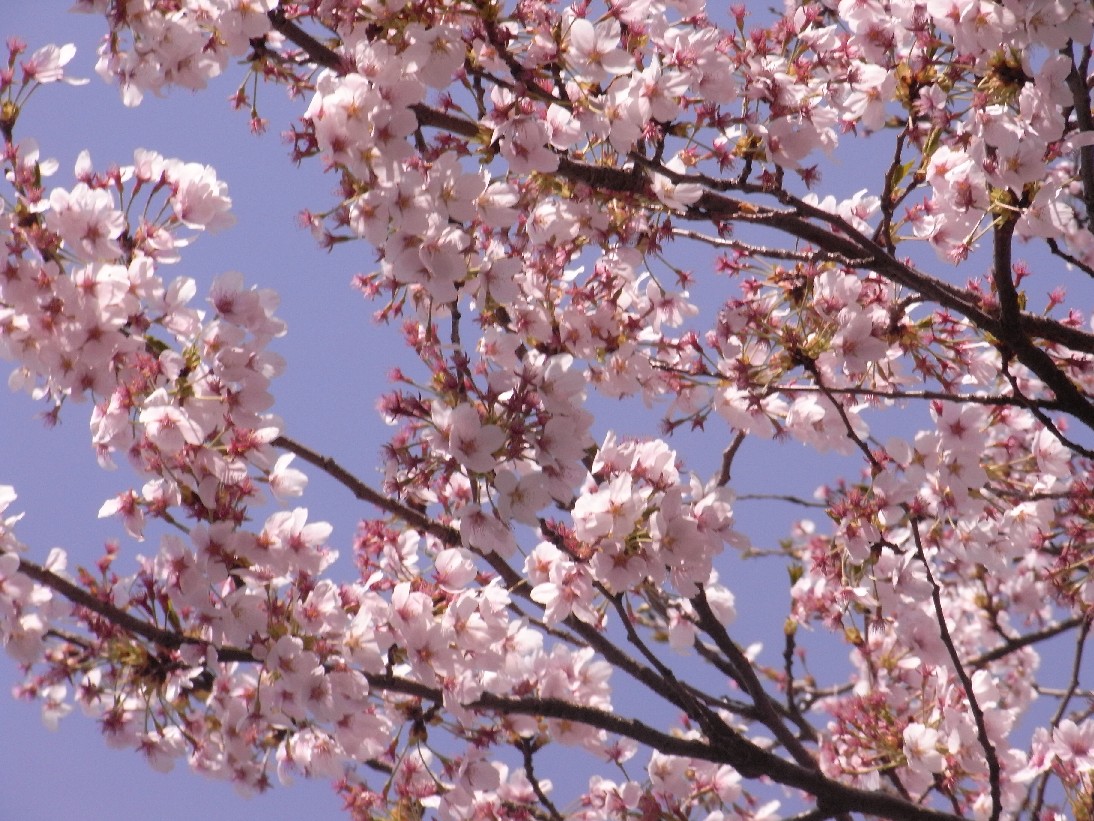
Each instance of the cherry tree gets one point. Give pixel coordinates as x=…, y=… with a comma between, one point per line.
x=578, y=211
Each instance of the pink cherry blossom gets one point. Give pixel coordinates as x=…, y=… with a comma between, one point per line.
x=88, y=222
x=46, y=65
x=675, y=195
x=286, y=482
x=472, y=443
x=168, y=427
x=921, y=748
x=593, y=49
x=740, y=439
x=199, y=199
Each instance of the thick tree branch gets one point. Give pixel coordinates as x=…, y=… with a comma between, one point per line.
x=1009, y=308
x=742, y=755
x=1034, y=407
x=514, y=581
x=747, y=758
x=317, y=52
x=1080, y=95
x=849, y=243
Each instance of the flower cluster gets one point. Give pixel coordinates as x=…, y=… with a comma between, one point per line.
x=574, y=207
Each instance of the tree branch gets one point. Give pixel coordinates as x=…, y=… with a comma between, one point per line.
x=934, y=396
x=770, y=717
x=1080, y=96
x=118, y=617
x=1018, y=643
x=849, y=243
x=416, y=519
x=527, y=750
x=742, y=755
x=994, y=771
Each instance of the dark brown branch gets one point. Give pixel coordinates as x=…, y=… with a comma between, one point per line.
x=1034, y=407
x=884, y=264
x=1080, y=96
x=1069, y=398
x=1076, y=671
x=779, y=497
x=1003, y=277
x=118, y=617
x=326, y=57
x=416, y=519
x=883, y=236
x=841, y=411
x=813, y=815
x=790, y=641
x=727, y=458
x=1013, y=645
x=1056, y=250
x=528, y=749
x=744, y=756
x=1014, y=340
x=729, y=748
x=682, y=698
x=843, y=242
x=1041, y=327
x=853, y=243
x=318, y=53
x=764, y=251
x=934, y=396
x=770, y=715
x=994, y=772
x=514, y=581
x=848, y=243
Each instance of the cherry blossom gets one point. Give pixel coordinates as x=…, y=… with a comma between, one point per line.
x=593, y=49
x=649, y=260
x=87, y=221
x=46, y=65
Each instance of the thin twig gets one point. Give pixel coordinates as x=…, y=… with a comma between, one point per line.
x=816, y=255
x=1056, y=250
x=779, y=497
x=1076, y=670
x=683, y=698
x=771, y=718
x=1033, y=406
x=934, y=396
x=118, y=617
x=527, y=749
x=416, y=519
x=994, y=772
x=1018, y=643
x=513, y=580
x=727, y=459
